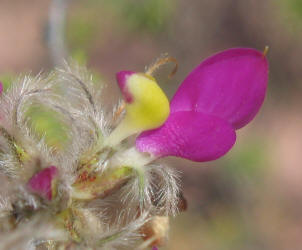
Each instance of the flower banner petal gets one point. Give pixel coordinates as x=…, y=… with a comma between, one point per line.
x=192, y=135
x=230, y=84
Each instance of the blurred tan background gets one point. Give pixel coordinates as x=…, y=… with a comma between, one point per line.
x=251, y=198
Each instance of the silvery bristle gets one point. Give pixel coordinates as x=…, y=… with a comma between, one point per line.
x=110, y=219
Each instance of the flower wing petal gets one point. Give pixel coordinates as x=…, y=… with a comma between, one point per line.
x=188, y=134
x=230, y=84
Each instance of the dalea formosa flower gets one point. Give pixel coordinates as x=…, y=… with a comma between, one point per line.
x=221, y=95
x=103, y=188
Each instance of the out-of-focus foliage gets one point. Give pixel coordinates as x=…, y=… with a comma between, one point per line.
x=85, y=25
x=248, y=160
x=81, y=31
x=295, y=7
x=148, y=15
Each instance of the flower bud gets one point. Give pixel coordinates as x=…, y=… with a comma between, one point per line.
x=44, y=182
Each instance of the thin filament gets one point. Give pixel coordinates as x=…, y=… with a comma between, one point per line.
x=161, y=61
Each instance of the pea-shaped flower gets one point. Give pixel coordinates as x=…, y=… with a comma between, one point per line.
x=221, y=95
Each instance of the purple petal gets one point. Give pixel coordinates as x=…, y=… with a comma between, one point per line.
x=230, y=85
x=1, y=87
x=121, y=78
x=188, y=134
x=41, y=183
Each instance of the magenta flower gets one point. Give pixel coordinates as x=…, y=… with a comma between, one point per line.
x=43, y=182
x=221, y=95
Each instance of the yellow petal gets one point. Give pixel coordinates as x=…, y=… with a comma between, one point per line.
x=147, y=107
